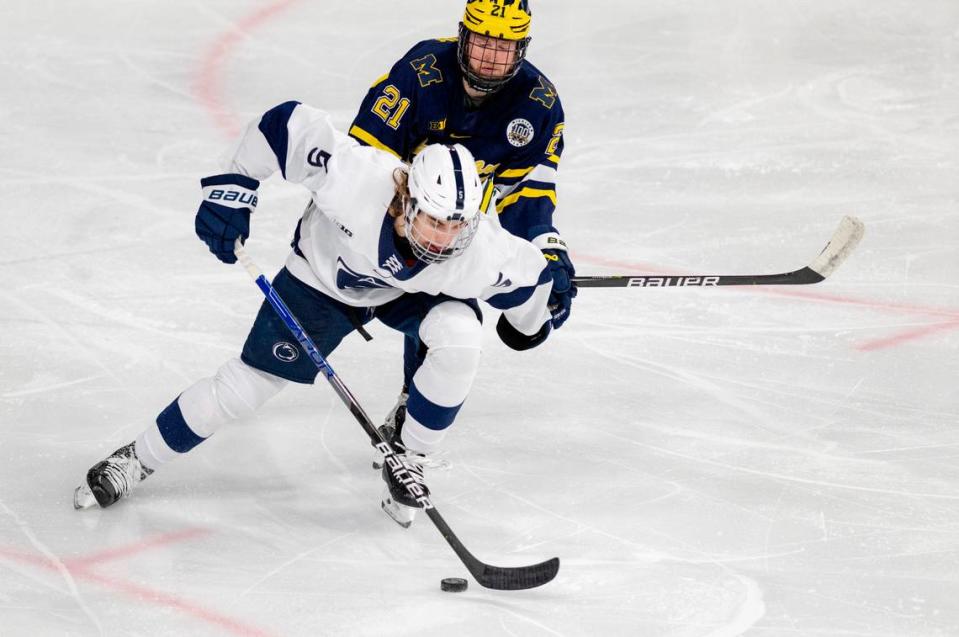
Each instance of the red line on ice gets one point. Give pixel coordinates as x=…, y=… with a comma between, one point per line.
x=867, y=346
x=207, y=86
x=207, y=89
x=908, y=335
x=172, y=601
x=18, y=556
x=81, y=569
x=133, y=549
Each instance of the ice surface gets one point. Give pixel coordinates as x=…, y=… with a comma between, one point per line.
x=705, y=462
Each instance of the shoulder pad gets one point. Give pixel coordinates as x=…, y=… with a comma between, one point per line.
x=427, y=62
x=544, y=92
x=538, y=87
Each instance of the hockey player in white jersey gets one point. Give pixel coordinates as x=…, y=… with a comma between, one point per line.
x=408, y=245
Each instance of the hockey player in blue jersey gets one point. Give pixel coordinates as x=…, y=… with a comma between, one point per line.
x=479, y=90
x=406, y=245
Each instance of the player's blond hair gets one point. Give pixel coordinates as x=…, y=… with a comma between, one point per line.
x=401, y=180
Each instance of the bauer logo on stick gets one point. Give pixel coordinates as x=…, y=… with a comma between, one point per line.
x=671, y=281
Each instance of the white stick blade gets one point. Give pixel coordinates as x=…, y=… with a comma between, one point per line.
x=842, y=243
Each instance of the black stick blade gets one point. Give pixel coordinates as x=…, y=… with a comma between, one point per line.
x=500, y=578
x=518, y=578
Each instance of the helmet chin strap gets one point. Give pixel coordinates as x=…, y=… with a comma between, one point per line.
x=475, y=96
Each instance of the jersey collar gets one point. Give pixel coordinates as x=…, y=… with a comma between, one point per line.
x=391, y=258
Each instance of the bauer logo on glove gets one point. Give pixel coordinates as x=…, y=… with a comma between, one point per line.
x=246, y=197
x=224, y=214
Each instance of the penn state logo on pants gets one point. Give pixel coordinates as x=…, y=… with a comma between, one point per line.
x=286, y=352
x=519, y=132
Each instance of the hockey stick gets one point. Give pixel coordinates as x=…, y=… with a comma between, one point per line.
x=842, y=243
x=496, y=577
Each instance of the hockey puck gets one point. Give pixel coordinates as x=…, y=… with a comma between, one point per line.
x=453, y=584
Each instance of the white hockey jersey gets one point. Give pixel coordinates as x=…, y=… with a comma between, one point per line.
x=344, y=245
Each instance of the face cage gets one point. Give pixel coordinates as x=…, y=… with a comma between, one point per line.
x=421, y=247
x=478, y=82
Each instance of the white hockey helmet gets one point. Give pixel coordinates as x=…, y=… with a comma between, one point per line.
x=444, y=186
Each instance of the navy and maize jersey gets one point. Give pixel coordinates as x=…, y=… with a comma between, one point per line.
x=516, y=134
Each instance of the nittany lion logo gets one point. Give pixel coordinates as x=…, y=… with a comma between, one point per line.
x=286, y=352
x=519, y=132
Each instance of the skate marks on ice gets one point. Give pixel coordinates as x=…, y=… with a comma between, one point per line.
x=48, y=556
x=727, y=602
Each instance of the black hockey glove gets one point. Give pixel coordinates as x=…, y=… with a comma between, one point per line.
x=514, y=339
x=564, y=290
x=224, y=214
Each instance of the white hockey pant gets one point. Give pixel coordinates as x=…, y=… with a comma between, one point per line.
x=453, y=336
x=235, y=391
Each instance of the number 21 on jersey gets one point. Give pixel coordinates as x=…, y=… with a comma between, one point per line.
x=390, y=107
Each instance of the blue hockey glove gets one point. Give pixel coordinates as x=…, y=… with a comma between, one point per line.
x=564, y=290
x=224, y=214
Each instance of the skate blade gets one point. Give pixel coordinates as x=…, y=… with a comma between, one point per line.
x=83, y=498
x=401, y=514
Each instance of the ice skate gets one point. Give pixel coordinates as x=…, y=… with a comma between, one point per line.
x=401, y=514
x=405, y=490
x=111, y=479
x=391, y=426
